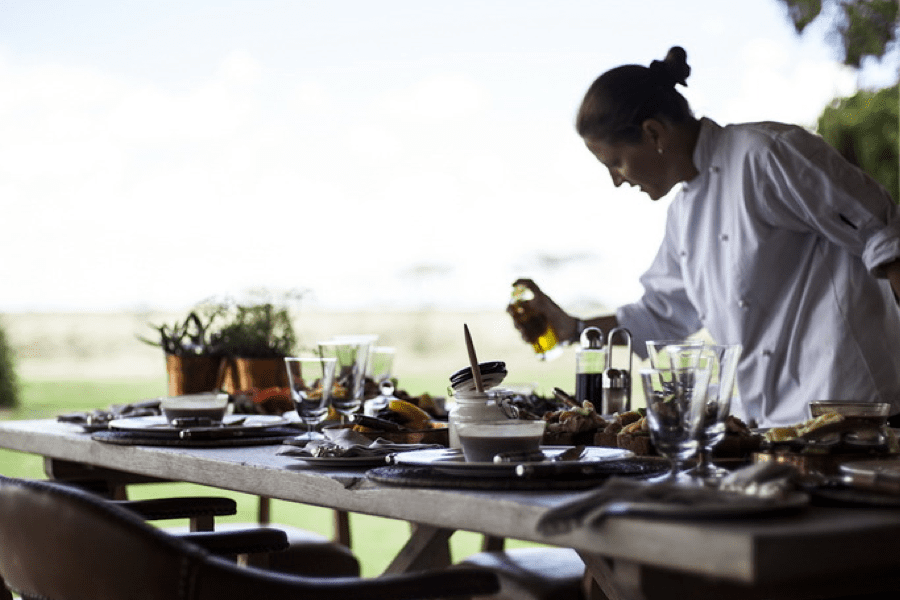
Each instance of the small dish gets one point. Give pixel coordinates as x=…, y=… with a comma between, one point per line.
x=482, y=441
x=207, y=407
x=874, y=411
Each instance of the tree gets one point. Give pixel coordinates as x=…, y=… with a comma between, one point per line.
x=864, y=130
x=9, y=382
x=865, y=127
x=861, y=27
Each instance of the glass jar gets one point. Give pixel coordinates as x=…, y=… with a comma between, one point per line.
x=471, y=407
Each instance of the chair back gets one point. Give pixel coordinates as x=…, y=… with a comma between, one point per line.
x=62, y=543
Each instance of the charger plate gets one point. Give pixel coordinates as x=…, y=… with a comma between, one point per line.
x=232, y=426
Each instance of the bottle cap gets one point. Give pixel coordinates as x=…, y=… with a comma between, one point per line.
x=592, y=338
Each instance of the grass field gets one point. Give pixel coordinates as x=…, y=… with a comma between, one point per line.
x=83, y=361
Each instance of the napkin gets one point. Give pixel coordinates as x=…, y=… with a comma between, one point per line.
x=346, y=443
x=99, y=417
x=748, y=488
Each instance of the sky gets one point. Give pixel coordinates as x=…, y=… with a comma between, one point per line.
x=391, y=154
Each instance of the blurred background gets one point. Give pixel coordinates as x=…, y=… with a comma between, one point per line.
x=394, y=164
x=390, y=160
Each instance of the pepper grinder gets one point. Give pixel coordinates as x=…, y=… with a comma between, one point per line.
x=590, y=360
x=617, y=382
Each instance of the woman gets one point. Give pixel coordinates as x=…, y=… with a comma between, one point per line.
x=773, y=241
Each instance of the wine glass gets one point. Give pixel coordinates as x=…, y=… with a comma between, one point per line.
x=664, y=354
x=351, y=356
x=675, y=401
x=724, y=359
x=311, y=381
x=381, y=364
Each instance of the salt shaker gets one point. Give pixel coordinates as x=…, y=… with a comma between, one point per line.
x=590, y=361
x=616, y=382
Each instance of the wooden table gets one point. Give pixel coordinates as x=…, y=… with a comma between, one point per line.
x=819, y=550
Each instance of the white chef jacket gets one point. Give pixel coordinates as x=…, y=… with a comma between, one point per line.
x=778, y=245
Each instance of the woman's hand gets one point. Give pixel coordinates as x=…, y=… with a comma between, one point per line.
x=531, y=317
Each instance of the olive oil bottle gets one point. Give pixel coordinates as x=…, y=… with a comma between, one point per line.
x=534, y=326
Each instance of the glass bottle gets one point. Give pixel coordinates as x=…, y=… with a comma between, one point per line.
x=590, y=362
x=535, y=326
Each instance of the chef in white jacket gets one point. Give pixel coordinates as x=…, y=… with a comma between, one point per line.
x=773, y=241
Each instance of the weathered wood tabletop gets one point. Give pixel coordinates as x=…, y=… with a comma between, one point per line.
x=817, y=550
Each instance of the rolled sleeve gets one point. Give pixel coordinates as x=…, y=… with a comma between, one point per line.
x=881, y=248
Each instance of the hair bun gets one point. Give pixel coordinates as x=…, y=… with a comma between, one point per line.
x=673, y=69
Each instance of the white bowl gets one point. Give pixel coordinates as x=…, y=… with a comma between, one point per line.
x=481, y=441
x=209, y=405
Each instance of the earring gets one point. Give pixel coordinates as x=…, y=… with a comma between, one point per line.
x=659, y=150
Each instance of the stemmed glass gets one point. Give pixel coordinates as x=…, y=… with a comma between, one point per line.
x=675, y=401
x=665, y=354
x=311, y=381
x=381, y=363
x=723, y=359
x=351, y=358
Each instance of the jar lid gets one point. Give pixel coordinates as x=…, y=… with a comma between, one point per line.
x=492, y=373
x=592, y=338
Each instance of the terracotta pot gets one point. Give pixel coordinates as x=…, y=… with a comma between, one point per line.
x=191, y=374
x=260, y=373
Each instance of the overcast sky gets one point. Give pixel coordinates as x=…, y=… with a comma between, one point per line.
x=391, y=153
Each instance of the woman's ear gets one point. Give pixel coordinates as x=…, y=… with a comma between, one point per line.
x=655, y=132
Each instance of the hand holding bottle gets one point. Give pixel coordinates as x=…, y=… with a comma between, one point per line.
x=539, y=319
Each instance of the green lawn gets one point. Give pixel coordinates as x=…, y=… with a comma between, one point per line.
x=375, y=540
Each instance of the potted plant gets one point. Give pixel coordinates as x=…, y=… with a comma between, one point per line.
x=229, y=345
x=254, y=338
x=191, y=363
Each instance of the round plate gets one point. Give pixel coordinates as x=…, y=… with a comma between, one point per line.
x=451, y=460
x=159, y=425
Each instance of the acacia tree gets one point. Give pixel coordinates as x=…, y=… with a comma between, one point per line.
x=865, y=127
x=859, y=27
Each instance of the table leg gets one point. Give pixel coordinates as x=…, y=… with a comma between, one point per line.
x=342, y=528
x=427, y=548
x=599, y=579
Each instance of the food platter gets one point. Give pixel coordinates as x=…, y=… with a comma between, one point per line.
x=451, y=461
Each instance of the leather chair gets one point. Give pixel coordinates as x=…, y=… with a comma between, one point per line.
x=60, y=543
x=308, y=553
x=533, y=573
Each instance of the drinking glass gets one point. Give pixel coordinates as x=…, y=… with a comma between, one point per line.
x=665, y=354
x=723, y=360
x=675, y=401
x=351, y=357
x=311, y=381
x=381, y=364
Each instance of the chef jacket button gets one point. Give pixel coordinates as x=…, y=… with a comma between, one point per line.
x=724, y=237
x=767, y=353
x=683, y=253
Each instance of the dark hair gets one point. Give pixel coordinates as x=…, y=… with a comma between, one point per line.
x=620, y=100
